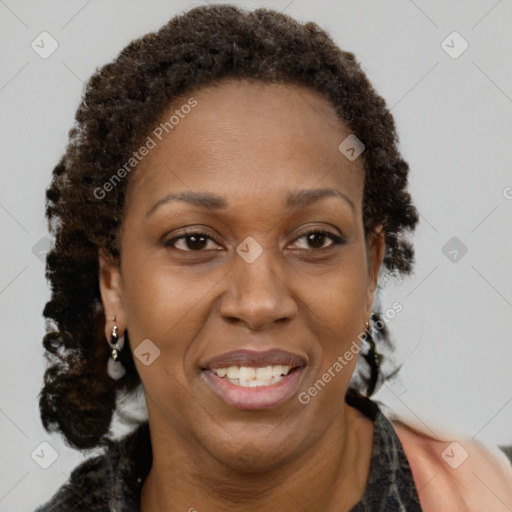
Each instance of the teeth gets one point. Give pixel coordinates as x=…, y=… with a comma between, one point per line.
x=246, y=373
x=276, y=370
x=264, y=373
x=253, y=383
x=247, y=376
x=285, y=370
x=232, y=372
x=221, y=372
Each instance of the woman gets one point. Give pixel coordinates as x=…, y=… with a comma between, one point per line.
x=229, y=196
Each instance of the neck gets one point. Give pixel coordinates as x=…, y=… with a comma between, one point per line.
x=329, y=476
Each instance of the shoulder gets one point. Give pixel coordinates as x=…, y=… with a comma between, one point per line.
x=86, y=489
x=459, y=474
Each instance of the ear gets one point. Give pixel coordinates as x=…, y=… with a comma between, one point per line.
x=376, y=246
x=111, y=289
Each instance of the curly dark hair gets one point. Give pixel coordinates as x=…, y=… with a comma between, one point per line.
x=121, y=103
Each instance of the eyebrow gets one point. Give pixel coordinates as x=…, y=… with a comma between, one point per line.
x=207, y=200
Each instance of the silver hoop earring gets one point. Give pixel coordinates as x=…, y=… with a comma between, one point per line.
x=115, y=368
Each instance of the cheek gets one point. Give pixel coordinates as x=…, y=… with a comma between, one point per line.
x=338, y=295
x=337, y=304
x=168, y=308
x=165, y=305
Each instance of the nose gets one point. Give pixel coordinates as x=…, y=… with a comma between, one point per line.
x=258, y=294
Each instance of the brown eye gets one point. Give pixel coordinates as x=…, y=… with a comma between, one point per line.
x=316, y=239
x=189, y=242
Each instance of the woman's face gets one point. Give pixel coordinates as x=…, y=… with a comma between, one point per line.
x=252, y=163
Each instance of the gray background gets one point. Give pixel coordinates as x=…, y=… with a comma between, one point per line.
x=453, y=117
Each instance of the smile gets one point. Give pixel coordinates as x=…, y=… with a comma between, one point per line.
x=257, y=393
x=249, y=377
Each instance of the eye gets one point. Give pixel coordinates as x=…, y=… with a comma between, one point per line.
x=317, y=238
x=191, y=241
x=195, y=241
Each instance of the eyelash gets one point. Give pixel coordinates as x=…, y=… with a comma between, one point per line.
x=336, y=240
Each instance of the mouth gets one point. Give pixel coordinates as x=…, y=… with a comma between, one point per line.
x=250, y=377
x=254, y=380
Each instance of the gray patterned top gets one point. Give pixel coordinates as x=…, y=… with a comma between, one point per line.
x=390, y=486
x=112, y=481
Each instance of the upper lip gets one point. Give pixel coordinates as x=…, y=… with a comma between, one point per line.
x=254, y=358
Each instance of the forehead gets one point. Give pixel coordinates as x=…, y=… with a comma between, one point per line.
x=248, y=137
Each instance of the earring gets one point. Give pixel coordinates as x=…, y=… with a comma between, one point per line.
x=373, y=358
x=115, y=368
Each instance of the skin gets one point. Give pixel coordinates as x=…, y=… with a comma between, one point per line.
x=252, y=144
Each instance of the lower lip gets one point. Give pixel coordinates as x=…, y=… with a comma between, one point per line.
x=260, y=397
